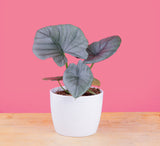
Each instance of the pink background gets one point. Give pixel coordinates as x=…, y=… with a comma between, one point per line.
x=130, y=78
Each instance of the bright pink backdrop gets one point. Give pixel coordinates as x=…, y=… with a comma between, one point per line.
x=130, y=78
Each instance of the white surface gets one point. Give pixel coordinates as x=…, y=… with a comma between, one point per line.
x=75, y=117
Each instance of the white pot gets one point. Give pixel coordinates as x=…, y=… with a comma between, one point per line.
x=75, y=117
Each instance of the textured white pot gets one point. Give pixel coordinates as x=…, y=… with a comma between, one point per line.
x=75, y=117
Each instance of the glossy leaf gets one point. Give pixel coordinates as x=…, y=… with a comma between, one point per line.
x=96, y=82
x=57, y=78
x=55, y=41
x=77, y=78
x=102, y=49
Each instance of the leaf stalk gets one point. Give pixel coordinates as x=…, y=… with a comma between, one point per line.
x=66, y=64
x=91, y=65
x=62, y=87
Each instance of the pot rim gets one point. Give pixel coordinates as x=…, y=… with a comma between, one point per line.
x=53, y=90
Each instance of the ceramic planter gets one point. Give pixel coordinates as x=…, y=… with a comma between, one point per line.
x=75, y=117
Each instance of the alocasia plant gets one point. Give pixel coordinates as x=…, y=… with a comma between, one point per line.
x=54, y=41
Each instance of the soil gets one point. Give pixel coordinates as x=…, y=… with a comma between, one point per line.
x=95, y=90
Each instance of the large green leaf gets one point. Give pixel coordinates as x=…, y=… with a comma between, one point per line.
x=54, y=41
x=102, y=49
x=77, y=78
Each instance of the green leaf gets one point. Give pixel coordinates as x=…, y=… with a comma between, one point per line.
x=77, y=78
x=102, y=49
x=54, y=41
x=96, y=82
x=57, y=78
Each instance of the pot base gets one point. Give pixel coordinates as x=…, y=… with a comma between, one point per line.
x=63, y=134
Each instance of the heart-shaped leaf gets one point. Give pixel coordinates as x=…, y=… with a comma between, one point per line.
x=58, y=78
x=103, y=49
x=77, y=78
x=54, y=41
x=96, y=82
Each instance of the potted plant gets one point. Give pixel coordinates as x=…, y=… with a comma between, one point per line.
x=76, y=107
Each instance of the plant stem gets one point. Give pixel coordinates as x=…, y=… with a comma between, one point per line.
x=91, y=92
x=62, y=87
x=91, y=65
x=66, y=65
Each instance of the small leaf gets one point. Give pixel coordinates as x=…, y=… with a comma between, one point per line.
x=78, y=78
x=58, y=78
x=96, y=82
x=54, y=41
x=103, y=49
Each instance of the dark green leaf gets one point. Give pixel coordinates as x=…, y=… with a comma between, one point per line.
x=103, y=49
x=77, y=78
x=55, y=41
